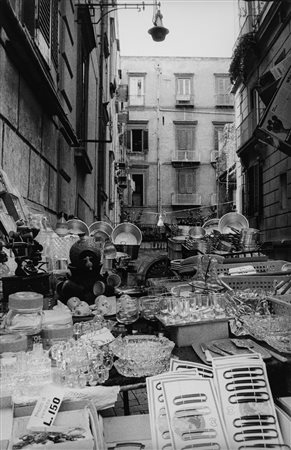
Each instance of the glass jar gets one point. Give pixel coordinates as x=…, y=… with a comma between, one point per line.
x=25, y=313
x=149, y=307
x=127, y=309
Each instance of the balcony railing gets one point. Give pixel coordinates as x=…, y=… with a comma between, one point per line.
x=186, y=155
x=224, y=100
x=213, y=199
x=247, y=127
x=186, y=199
x=136, y=100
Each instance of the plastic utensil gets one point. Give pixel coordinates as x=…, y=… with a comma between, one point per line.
x=206, y=352
x=244, y=343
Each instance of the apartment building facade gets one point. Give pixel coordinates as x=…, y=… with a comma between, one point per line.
x=259, y=71
x=59, y=63
x=177, y=108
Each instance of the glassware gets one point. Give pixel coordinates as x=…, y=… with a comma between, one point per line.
x=127, y=309
x=218, y=303
x=25, y=313
x=81, y=362
x=25, y=373
x=142, y=355
x=149, y=307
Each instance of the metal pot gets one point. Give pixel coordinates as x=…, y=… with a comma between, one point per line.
x=126, y=234
x=250, y=238
x=197, y=232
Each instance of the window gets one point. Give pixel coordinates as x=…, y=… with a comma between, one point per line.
x=136, y=90
x=223, y=97
x=254, y=195
x=185, y=137
x=186, y=181
x=283, y=192
x=86, y=43
x=138, y=193
x=137, y=137
x=257, y=107
x=184, y=92
x=218, y=133
x=41, y=19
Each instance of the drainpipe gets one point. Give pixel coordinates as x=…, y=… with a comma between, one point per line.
x=101, y=149
x=159, y=194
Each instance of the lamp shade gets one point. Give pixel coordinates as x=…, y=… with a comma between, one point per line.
x=158, y=33
x=160, y=221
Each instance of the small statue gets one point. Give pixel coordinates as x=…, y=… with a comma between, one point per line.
x=83, y=272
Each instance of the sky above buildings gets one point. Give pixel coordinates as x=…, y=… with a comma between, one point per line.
x=196, y=28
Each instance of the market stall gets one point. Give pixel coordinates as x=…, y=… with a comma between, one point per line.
x=83, y=319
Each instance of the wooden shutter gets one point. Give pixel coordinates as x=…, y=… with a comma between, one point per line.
x=55, y=33
x=182, y=138
x=223, y=90
x=128, y=139
x=44, y=18
x=183, y=86
x=254, y=190
x=186, y=182
x=145, y=140
x=217, y=132
x=185, y=141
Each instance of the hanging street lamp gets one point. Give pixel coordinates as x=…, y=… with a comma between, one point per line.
x=158, y=32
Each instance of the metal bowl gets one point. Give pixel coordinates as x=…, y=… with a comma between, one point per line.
x=100, y=226
x=126, y=234
x=211, y=225
x=232, y=222
x=100, y=235
x=197, y=232
x=76, y=226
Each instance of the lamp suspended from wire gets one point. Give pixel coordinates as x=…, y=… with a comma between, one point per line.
x=158, y=32
x=160, y=221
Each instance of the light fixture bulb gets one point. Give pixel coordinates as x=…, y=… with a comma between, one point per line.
x=160, y=221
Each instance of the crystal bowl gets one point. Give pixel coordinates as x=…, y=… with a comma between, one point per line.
x=142, y=355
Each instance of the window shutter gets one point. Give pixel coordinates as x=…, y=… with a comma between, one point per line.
x=43, y=19
x=217, y=133
x=182, y=139
x=145, y=140
x=128, y=139
x=55, y=33
x=182, y=183
x=189, y=183
x=185, y=182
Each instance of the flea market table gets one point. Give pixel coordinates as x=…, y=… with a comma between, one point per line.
x=279, y=373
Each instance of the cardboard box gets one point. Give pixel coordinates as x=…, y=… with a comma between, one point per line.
x=128, y=429
x=185, y=334
x=72, y=415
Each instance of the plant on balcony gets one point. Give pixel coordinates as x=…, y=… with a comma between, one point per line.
x=132, y=216
x=239, y=64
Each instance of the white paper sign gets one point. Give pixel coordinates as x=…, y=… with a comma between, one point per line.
x=46, y=408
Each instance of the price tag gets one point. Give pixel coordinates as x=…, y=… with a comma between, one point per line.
x=46, y=408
